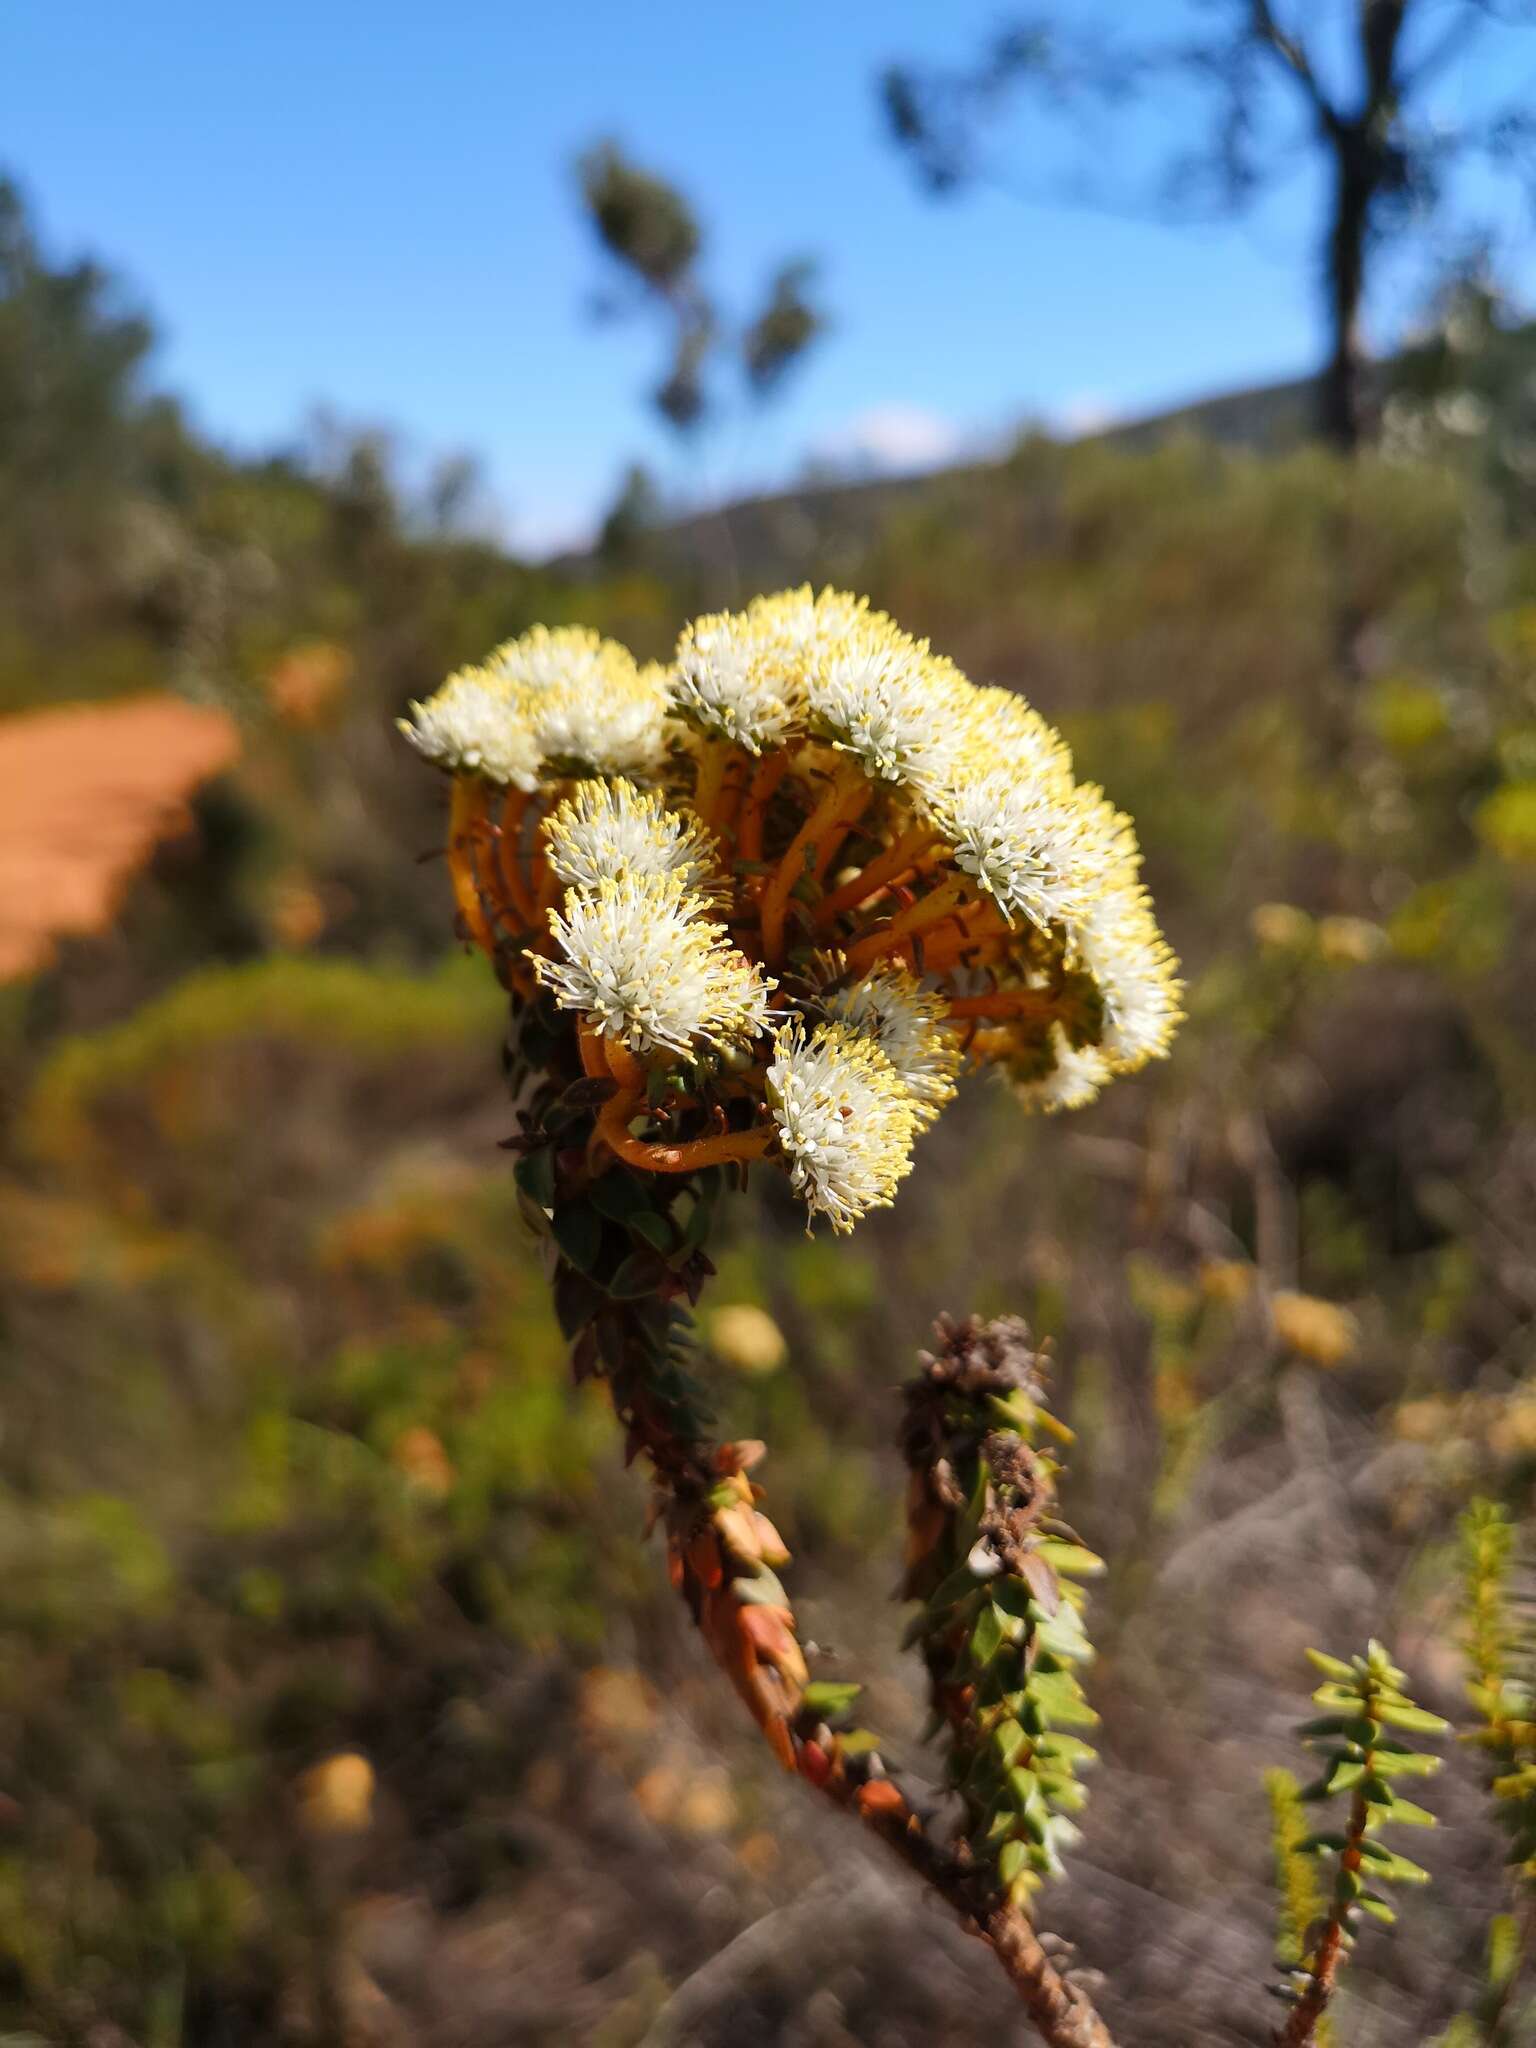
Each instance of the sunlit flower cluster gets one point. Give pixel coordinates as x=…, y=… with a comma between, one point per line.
x=790, y=887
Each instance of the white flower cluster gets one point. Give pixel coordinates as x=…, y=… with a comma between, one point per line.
x=908, y=1024
x=640, y=955
x=979, y=764
x=679, y=856
x=606, y=829
x=846, y=1120
x=551, y=703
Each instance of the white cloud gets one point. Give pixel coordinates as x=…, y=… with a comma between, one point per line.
x=893, y=436
x=539, y=531
x=1088, y=412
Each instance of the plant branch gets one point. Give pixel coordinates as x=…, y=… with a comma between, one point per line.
x=722, y=1550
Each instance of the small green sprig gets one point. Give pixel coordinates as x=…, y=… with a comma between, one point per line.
x=1300, y=1898
x=1358, y=1739
x=1499, y=1682
x=1501, y=1688
x=1001, y=1626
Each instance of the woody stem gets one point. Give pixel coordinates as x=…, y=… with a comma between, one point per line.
x=1300, y=2030
x=686, y=1464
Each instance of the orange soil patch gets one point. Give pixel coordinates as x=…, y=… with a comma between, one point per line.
x=86, y=793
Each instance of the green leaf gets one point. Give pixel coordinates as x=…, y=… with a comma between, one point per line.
x=655, y=1230
x=987, y=1636
x=579, y=1232
x=534, y=1173
x=1332, y=1667
x=1418, y=1720
x=1008, y=1739
x=1503, y=1949
x=638, y=1275
x=1342, y=1698
x=1397, y=1760
x=1072, y=1560
x=1392, y=1868
x=858, y=1742
x=576, y=1301
x=1378, y=1909
x=1059, y=1697
x=1320, y=1844
x=619, y=1195
x=1071, y=1749
x=1362, y=1732
x=1012, y=1861
x=827, y=1697
x=696, y=1229
x=1406, y=1814
x=1344, y=1776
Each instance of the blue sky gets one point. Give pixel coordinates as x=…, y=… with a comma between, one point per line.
x=369, y=204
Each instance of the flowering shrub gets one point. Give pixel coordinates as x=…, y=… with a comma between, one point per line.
x=789, y=888
x=771, y=904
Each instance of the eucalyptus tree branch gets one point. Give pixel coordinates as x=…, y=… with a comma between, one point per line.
x=1267, y=29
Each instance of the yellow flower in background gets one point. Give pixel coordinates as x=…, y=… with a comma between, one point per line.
x=1350, y=941
x=1228, y=1280
x=1281, y=926
x=418, y=1454
x=336, y=1796
x=1507, y=822
x=747, y=1338
x=1314, y=1329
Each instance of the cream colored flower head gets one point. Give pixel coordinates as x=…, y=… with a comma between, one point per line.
x=739, y=678
x=1041, y=847
x=846, y=1121
x=810, y=624
x=547, y=658
x=608, y=724
x=891, y=1007
x=1072, y=1083
x=1118, y=941
x=606, y=829
x=641, y=959
x=476, y=725
x=1001, y=728
x=881, y=696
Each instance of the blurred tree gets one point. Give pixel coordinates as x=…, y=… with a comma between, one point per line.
x=76, y=433
x=652, y=234
x=1466, y=387
x=1360, y=73
x=633, y=515
x=775, y=341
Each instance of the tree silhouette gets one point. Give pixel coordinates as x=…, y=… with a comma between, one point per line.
x=1359, y=74
x=652, y=234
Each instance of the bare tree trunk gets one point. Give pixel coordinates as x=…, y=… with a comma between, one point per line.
x=1341, y=387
